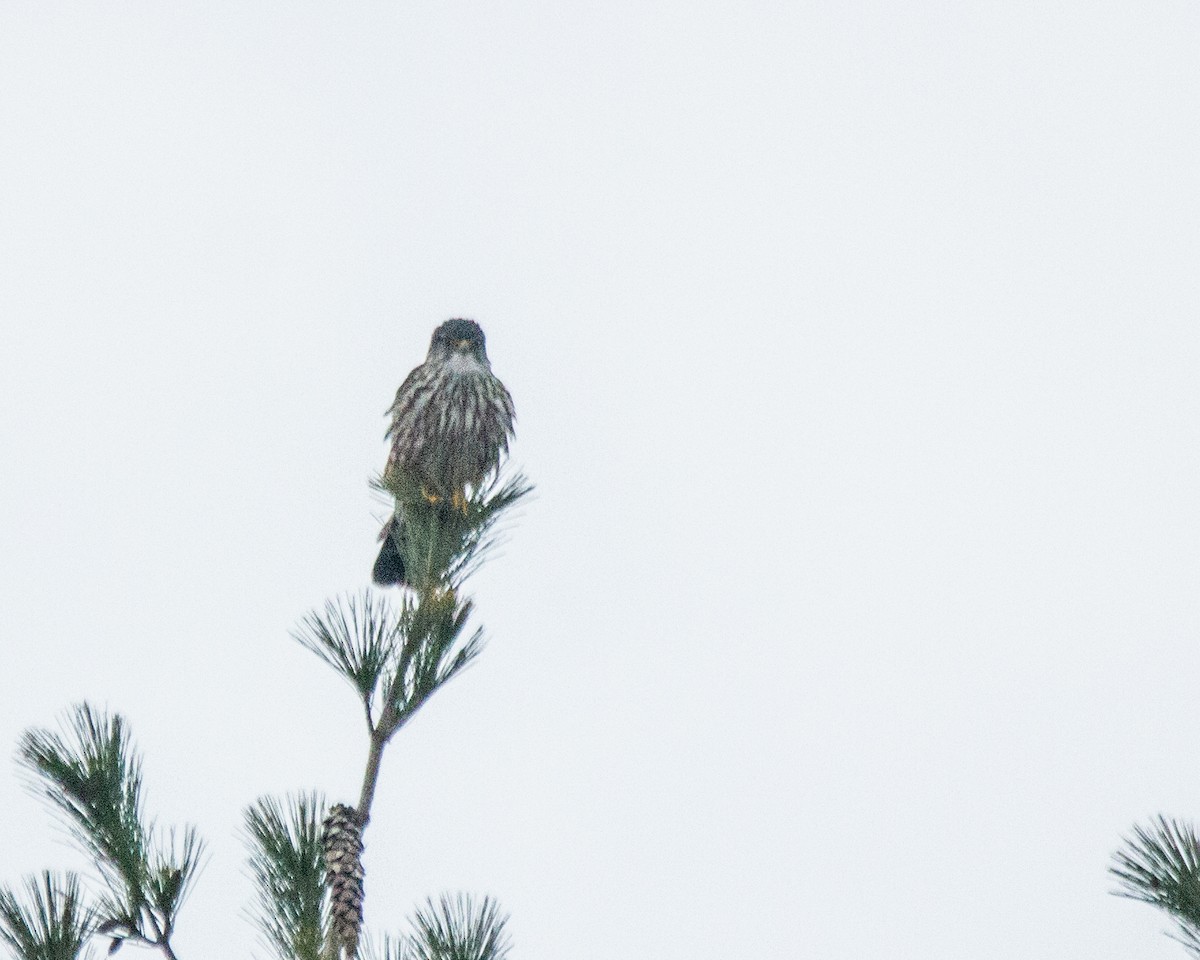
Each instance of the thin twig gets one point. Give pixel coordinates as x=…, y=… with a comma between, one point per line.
x=162, y=936
x=371, y=774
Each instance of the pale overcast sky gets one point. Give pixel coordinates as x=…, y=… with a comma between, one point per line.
x=854, y=347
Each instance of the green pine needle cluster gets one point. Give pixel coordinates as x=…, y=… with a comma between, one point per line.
x=92, y=776
x=1160, y=865
x=357, y=637
x=444, y=542
x=454, y=928
x=47, y=920
x=289, y=872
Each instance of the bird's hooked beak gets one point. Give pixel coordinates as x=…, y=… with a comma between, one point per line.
x=463, y=344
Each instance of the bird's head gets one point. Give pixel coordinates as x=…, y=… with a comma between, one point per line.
x=458, y=338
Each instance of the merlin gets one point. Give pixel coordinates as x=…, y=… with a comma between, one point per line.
x=451, y=424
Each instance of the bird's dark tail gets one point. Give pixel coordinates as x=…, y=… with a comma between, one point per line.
x=389, y=565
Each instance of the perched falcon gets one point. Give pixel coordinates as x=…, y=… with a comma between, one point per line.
x=451, y=424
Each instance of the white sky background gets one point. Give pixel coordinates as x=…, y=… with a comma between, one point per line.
x=854, y=348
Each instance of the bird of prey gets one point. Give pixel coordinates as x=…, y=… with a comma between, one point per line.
x=451, y=424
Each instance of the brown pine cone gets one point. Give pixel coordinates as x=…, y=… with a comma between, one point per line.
x=343, y=846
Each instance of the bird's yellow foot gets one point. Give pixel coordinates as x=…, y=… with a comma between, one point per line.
x=459, y=502
x=431, y=497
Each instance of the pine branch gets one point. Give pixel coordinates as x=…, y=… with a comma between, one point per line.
x=400, y=658
x=95, y=782
x=287, y=864
x=1160, y=865
x=47, y=920
x=427, y=657
x=92, y=777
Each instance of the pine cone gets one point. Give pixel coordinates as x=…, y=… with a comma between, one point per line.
x=343, y=846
